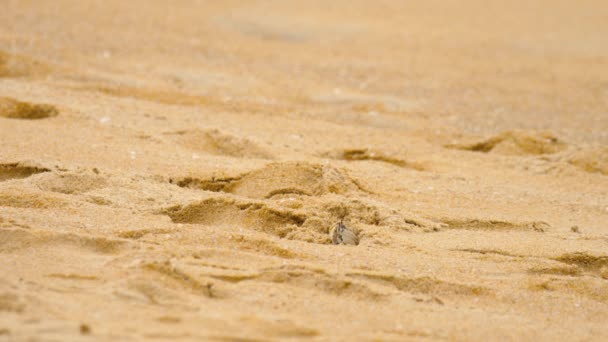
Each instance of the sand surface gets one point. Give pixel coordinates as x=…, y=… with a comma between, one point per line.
x=171, y=170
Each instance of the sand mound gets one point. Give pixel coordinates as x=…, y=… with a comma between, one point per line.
x=514, y=143
x=300, y=178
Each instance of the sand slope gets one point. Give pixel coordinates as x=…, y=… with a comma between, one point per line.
x=173, y=172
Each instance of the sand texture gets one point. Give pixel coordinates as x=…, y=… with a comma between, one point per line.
x=175, y=170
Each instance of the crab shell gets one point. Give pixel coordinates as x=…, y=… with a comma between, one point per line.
x=343, y=236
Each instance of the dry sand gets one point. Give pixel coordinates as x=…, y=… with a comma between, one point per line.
x=171, y=170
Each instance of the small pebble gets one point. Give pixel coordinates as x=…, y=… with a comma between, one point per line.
x=575, y=229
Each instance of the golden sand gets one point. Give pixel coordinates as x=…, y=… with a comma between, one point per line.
x=173, y=170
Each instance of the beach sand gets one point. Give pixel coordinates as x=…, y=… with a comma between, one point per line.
x=173, y=170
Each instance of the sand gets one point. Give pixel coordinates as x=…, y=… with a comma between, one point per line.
x=173, y=170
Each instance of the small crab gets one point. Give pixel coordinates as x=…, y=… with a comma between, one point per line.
x=341, y=235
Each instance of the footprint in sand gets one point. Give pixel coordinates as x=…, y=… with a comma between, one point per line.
x=222, y=211
x=513, y=143
x=19, y=170
x=14, y=109
x=70, y=183
x=216, y=142
x=362, y=154
x=292, y=200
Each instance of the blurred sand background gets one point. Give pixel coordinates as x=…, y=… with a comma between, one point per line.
x=171, y=170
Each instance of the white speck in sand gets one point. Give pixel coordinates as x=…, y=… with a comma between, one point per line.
x=195, y=156
x=104, y=120
x=133, y=155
